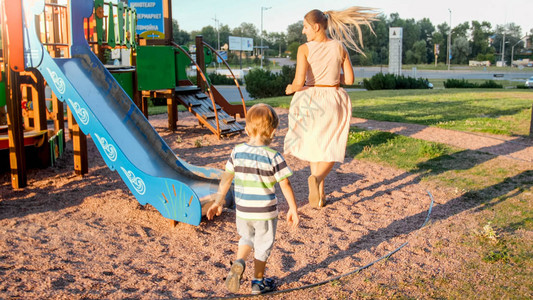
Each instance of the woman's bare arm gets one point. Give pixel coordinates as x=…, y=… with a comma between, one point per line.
x=301, y=70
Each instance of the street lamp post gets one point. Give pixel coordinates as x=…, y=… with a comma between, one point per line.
x=503, y=50
x=449, y=56
x=262, y=52
x=512, y=52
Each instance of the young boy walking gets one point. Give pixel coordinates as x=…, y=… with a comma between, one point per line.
x=256, y=169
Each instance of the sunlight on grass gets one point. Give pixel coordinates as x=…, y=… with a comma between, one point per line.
x=503, y=112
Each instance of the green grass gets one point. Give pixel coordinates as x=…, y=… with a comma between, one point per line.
x=496, y=193
x=477, y=110
x=490, y=190
x=502, y=112
x=395, y=150
x=161, y=109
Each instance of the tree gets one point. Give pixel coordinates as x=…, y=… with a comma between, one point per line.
x=179, y=36
x=293, y=49
x=461, y=30
x=224, y=32
x=246, y=30
x=480, y=38
x=209, y=35
x=443, y=30
x=420, y=52
x=277, y=43
x=512, y=33
x=460, y=50
x=426, y=33
x=294, y=33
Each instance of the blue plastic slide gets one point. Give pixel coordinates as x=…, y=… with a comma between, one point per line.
x=124, y=137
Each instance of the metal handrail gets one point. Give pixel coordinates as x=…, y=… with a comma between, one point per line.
x=231, y=72
x=219, y=132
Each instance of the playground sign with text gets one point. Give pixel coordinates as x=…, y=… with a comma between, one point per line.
x=149, y=15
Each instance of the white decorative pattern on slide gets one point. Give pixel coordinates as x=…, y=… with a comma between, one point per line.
x=138, y=183
x=58, y=81
x=109, y=149
x=80, y=112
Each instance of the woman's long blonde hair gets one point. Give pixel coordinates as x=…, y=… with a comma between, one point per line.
x=341, y=24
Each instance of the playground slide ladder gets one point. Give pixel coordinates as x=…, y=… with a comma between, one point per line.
x=199, y=104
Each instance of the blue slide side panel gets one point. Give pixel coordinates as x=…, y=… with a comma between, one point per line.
x=172, y=198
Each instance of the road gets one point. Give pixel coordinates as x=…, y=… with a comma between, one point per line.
x=231, y=93
x=367, y=72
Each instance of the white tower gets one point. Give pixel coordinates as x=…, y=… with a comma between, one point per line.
x=395, y=50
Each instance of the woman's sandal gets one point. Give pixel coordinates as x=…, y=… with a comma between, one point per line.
x=314, y=197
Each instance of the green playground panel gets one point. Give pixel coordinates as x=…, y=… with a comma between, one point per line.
x=120, y=15
x=99, y=13
x=125, y=79
x=208, y=56
x=156, y=68
x=111, y=39
x=182, y=62
x=2, y=91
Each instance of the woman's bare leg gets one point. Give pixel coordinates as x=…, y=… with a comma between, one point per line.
x=320, y=171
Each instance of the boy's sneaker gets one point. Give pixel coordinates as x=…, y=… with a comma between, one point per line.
x=233, y=281
x=263, y=286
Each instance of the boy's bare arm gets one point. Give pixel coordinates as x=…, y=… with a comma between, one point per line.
x=223, y=188
x=292, y=214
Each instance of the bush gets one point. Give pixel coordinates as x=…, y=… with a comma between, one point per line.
x=261, y=83
x=463, y=84
x=490, y=84
x=382, y=81
x=456, y=83
x=217, y=79
x=220, y=79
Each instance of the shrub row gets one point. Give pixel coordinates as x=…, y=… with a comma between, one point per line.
x=217, y=79
x=463, y=84
x=382, y=81
x=262, y=83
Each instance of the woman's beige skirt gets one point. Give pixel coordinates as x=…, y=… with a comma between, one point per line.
x=319, y=121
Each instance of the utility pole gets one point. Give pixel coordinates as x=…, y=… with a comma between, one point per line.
x=217, y=24
x=449, y=56
x=262, y=51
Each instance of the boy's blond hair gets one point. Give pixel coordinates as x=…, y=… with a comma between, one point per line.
x=261, y=120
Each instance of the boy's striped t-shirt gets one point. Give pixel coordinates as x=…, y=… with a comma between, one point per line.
x=256, y=169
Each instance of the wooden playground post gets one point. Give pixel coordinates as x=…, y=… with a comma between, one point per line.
x=17, y=155
x=39, y=101
x=79, y=145
x=14, y=62
x=58, y=115
x=172, y=108
x=200, y=61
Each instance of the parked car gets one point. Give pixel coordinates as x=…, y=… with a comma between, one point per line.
x=529, y=82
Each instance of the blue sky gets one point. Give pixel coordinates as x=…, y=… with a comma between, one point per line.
x=195, y=14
